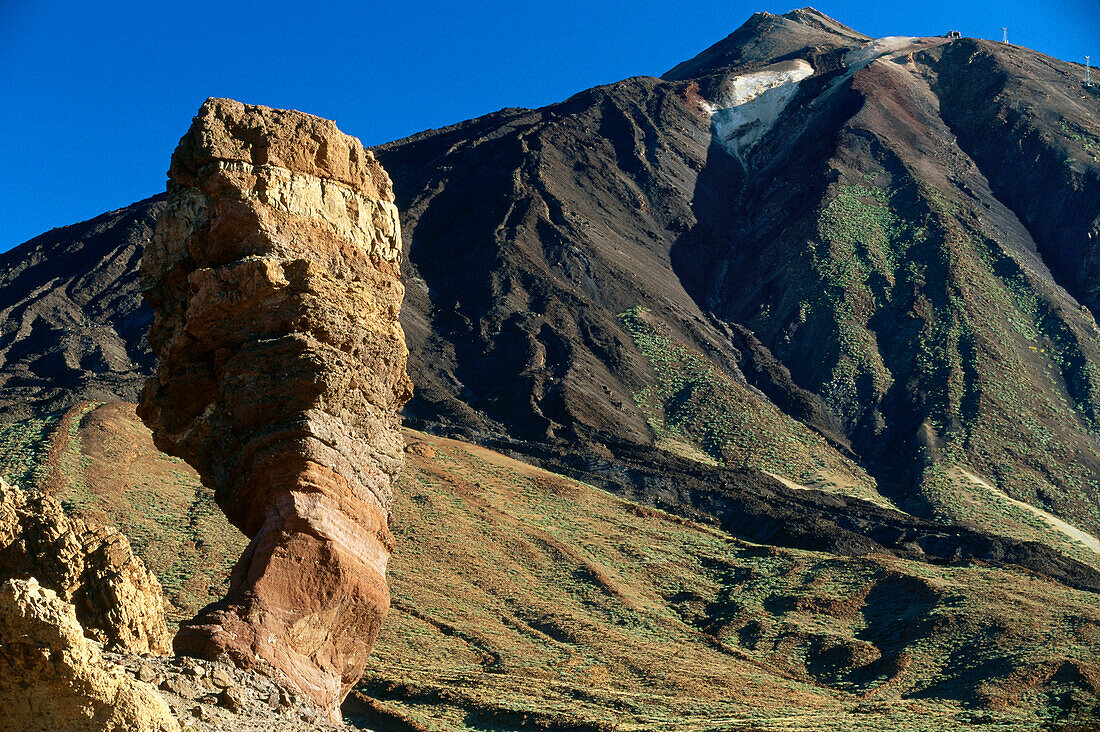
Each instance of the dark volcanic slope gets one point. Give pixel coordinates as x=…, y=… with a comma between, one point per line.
x=864, y=267
x=877, y=265
x=72, y=327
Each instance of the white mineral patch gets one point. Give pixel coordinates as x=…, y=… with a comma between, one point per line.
x=748, y=105
x=858, y=58
x=890, y=47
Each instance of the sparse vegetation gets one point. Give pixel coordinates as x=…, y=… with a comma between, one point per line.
x=24, y=447
x=532, y=600
x=106, y=467
x=521, y=598
x=1090, y=145
x=694, y=403
x=901, y=305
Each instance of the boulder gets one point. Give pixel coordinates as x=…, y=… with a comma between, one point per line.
x=53, y=678
x=117, y=600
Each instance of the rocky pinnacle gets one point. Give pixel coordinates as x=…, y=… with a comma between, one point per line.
x=274, y=274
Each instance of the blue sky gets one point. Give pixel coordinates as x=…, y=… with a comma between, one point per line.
x=96, y=95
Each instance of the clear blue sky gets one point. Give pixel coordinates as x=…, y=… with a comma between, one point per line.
x=96, y=94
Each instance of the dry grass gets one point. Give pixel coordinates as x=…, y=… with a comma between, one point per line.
x=100, y=462
x=524, y=600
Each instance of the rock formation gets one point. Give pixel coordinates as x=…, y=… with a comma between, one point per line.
x=53, y=678
x=207, y=696
x=274, y=275
x=117, y=600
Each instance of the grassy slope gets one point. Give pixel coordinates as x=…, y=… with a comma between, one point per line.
x=526, y=600
x=524, y=595
x=693, y=404
x=699, y=412
x=940, y=349
x=99, y=461
x=1004, y=368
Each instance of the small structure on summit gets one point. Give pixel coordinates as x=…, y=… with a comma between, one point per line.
x=274, y=275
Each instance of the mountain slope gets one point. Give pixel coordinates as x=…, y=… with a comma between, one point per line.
x=832, y=226
x=800, y=258
x=523, y=599
x=72, y=324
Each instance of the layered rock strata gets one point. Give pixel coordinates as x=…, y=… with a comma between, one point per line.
x=274, y=274
x=53, y=678
x=116, y=599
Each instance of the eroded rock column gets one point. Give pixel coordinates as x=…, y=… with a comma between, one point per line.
x=274, y=275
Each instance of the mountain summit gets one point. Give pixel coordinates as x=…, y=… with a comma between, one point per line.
x=766, y=38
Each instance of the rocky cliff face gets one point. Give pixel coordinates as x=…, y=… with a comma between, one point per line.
x=69, y=589
x=82, y=638
x=274, y=274
x=117, y=600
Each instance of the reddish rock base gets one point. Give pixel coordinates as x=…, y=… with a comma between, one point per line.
x=309, y=595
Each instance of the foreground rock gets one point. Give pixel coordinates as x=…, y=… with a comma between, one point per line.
x=274, y=274
x=206, y=696
x=53, y=678
x=117, y=600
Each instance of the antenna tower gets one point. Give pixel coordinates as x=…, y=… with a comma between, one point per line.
x=1004, y=35
x=1088, y=72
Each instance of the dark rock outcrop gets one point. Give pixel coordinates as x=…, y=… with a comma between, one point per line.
x=274, y=274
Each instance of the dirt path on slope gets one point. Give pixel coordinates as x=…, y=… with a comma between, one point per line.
x=1074, y=533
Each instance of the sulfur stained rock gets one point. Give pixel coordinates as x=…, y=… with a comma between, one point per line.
x=117, y=600
x=53, y=678
x=274, y=275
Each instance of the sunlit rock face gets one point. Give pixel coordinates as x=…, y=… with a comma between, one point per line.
x=115, y=598
x=53, y=678
x=274, y=275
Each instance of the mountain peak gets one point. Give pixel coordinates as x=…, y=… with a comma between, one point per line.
x=814, y=18
x=765, y=38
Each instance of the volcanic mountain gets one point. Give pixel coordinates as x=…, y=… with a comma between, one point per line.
x=806, y=273
x=858, y=264
x=833, y=294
